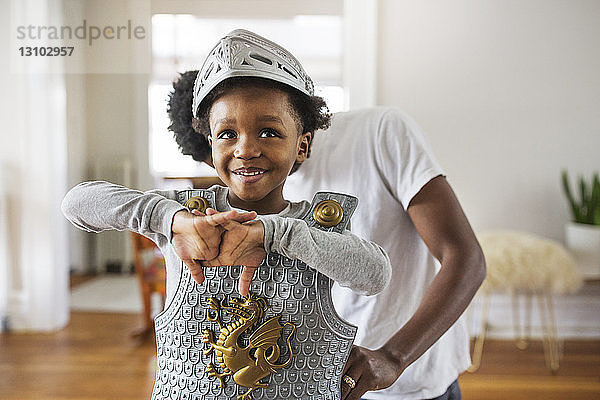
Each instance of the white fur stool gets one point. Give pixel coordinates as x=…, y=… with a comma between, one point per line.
x=520, y=263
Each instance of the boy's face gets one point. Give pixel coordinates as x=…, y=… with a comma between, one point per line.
x=255, y=143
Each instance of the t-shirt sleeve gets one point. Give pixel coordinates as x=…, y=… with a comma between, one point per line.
x=98, y=206
x=361, y=265
x=403, y=156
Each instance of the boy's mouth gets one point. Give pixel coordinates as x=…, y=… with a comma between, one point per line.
x=249, y=175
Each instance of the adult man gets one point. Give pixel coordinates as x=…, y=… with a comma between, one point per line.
x=408, y=342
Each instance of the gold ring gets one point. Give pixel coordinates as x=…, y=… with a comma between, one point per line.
x=349, y=381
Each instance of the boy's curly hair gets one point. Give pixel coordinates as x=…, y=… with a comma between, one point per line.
x=179, y=108
x=309, y=112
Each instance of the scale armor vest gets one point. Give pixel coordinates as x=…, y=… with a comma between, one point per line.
x=308, y=327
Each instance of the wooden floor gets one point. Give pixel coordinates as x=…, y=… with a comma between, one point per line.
x=95, y=358
x=509, y=373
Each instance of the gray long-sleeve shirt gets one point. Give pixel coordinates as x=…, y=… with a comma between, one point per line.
x=353, y=262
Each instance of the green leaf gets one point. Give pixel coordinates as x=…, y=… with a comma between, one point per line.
x=595, y=201
x=576, y=215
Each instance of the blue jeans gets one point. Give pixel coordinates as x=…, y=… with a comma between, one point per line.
x=453, y=393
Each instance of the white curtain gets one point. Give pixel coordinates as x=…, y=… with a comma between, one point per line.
x=33, y=157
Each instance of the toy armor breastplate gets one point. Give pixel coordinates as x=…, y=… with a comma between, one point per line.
x=283, y=341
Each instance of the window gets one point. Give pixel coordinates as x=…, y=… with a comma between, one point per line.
x=180, y=42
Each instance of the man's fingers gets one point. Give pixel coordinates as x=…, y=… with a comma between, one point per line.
x=246, y=279
x=356, y=393
x=349, y=392
x=351, y=371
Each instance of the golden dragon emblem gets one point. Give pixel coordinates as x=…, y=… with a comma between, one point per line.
x=246, y=364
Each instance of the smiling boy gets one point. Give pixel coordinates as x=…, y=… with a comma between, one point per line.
x=255, y=106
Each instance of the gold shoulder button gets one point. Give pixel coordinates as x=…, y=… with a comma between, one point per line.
x=328, y=213
x=197, y=203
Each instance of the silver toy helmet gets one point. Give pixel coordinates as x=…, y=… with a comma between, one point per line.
x=244, y=53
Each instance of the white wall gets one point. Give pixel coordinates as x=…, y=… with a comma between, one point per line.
x=507, y=92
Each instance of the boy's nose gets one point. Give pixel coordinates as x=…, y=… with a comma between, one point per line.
x=247, y=148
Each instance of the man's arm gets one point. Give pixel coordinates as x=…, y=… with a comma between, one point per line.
x=441, y=223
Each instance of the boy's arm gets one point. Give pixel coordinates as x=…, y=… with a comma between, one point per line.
x=361, y=265
x=98, y=206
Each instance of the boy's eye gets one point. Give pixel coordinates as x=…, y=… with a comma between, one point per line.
x=269, y=133
x=228, y=134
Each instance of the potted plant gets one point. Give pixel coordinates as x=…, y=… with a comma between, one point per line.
x=583, y=233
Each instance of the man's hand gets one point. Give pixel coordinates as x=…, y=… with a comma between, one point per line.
x=241, y=244
x=197, y=236
x=371, y=370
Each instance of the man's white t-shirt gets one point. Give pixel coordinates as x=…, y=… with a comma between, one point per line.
x=380, y=156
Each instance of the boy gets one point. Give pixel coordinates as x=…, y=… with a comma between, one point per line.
x=255, y=107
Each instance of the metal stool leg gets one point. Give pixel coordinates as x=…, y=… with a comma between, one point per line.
x=554, y=339
x=522, y=328
x=521, y=340
x=528, y=305
x=550, y=341
x=478, y=345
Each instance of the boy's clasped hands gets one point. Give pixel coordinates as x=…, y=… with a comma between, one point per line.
x=216, y=238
